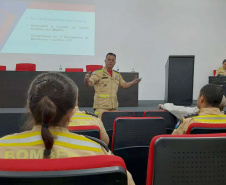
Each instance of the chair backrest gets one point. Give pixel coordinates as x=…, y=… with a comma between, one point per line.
x=12, y=123
x=87, y=130
x=108, y=119
x=91, y=68
x=169, y=118
x=187, y=159
x=214, y=72
x=139, y=114
x=136, y=131
x=91, y=170
x=25, y=67
x=73, y=69
x=131, y=140
x=2, y=68
x=206, y=128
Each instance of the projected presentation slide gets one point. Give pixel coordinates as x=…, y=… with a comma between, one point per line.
x=47, y=28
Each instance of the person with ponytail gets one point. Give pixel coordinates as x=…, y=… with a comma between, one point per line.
x=51, y=101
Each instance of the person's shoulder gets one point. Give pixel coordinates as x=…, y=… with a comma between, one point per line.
x=98, y=141
x=187, y=119
x=98, y=71
x=116, y=71
x=191, y=115
x=91, y=113
x=118, y=74
x=11, y=136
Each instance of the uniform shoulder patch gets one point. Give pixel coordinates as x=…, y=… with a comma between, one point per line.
x=91, y=113
x=98, y=71
x=190, y=115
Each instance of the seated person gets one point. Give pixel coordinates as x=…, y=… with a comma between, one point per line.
x=51, y=101
x=80, y=118
x=208, y=104
x=181, y=111
x=222, y=71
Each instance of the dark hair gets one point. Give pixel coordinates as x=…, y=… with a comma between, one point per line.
x=50, y=97
x=224, y=61
x=213, y=94
x=111, y=54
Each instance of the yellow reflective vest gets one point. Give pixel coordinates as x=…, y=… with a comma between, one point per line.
x=206, y=115
x=213, y=119
x=29, y=145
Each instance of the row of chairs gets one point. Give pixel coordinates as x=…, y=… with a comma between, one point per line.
x=131, y=137
x=194, y=128
x=108, y=119
x=185, y=159
x=32, y=67
x=131, y=140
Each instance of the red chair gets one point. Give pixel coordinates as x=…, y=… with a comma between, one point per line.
x=187, y=159
x=206, y=128
x=25, y=67
x=73, y=69
x=214, y=72
x=89, y=130
x=91, y=68
x=2, y=68
x=99, y=169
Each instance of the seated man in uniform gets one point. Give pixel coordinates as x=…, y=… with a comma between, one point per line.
x=222, y=71
x=208, y=103
x=81, y=118
x=51, y=101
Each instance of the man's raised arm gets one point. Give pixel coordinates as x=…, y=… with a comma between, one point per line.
x=129, y=84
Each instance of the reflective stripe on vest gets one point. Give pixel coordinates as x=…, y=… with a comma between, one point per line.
x=104, y=95
x=210, y=119
x=81, y=116
x=61, y=139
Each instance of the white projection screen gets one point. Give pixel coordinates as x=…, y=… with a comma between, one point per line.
x=47, y=28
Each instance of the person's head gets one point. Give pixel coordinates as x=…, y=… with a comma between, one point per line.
x=110, y=61
x=210, y=96
x=51, y=101
x=224, y=64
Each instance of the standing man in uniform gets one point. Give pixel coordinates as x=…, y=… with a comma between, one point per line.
x=208, y=103
x=106, y=82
